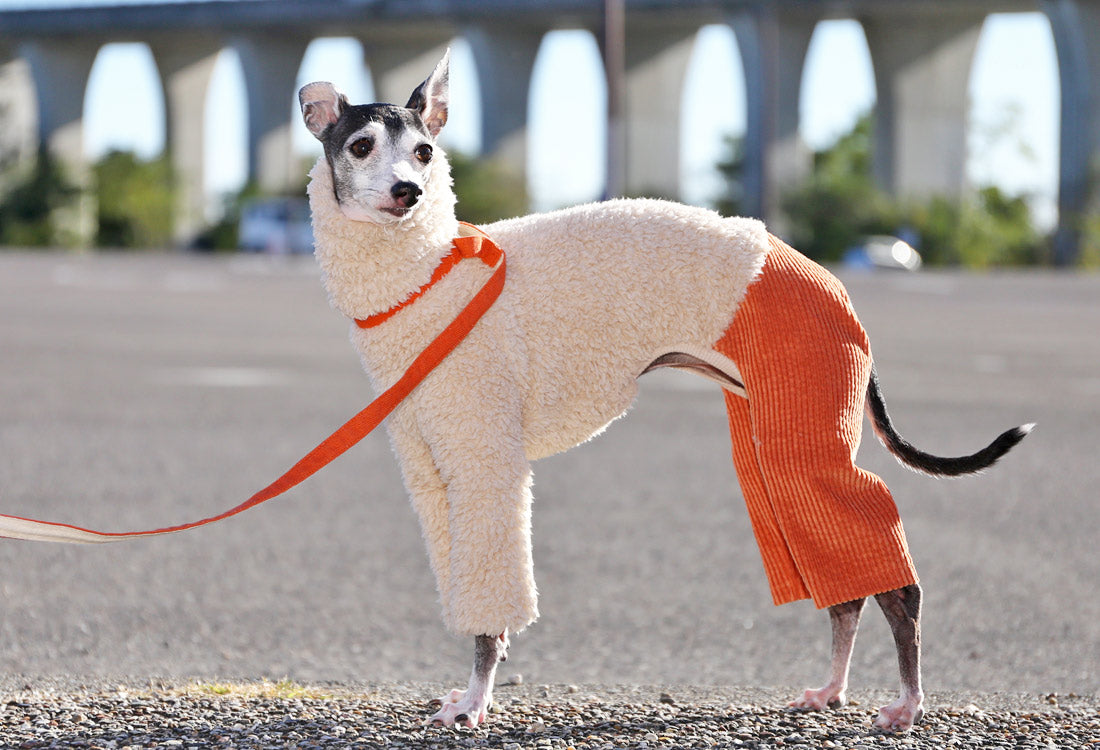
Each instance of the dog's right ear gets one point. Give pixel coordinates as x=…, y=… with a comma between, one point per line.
x=429, y=99
x=321, y=104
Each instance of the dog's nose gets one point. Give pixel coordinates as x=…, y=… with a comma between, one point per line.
x=406, y=193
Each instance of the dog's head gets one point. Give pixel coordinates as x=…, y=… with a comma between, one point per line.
x=380, y=154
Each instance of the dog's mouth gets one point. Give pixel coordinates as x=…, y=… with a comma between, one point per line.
x=399, y=211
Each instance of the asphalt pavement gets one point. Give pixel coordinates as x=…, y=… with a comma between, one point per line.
x=145, y=390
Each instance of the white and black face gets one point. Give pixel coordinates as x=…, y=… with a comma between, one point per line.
x=380, y=154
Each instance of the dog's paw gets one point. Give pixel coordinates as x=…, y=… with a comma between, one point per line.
x=462, y=708
x=820, y=699
x=900, y=716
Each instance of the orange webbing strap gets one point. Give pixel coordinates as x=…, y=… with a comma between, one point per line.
x=333, y=446
x=474, y=243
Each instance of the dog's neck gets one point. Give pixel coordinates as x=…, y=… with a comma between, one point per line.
x=369, y=268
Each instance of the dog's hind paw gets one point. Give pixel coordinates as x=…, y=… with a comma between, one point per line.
x=462, y=708
x=820, y=699
x=900, y=716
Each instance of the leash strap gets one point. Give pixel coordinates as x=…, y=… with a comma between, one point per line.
x=354, y=430
x=472, y=242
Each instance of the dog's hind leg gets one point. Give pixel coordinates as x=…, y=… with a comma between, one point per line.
x=902, y=609
x=845, y=622
x=470, y=706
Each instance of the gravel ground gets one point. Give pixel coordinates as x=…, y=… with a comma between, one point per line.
x=290, y=715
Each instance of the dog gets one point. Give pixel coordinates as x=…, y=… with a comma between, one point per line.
x=595, y=296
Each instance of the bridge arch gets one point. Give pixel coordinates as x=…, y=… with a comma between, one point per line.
x=712, y=111
x=59, y=75
x=225, y=170
x=144, y=133
x=922, y=65
x=585, y=98
x=835, y=111
x=1015, y=103
x=920, y=52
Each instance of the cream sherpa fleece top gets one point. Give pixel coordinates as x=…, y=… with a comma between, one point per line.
x=593, y=295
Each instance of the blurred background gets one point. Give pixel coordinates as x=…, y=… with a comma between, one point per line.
x=939, y=155
x=966, y=128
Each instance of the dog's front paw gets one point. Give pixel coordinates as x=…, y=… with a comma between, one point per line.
x=901, y=715
x=461, y=707
x=829, y=696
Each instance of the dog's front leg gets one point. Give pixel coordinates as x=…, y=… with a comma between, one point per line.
x=470, y=706
x=428, y=494
x=845, y=622
x=491, y=591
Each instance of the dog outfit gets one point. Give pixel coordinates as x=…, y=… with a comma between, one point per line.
x=653, y=277
x=826, y=529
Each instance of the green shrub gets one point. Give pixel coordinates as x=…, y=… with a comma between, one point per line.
x=29, y=206
x=135, y=201
x=984, y=230
x=840, y=203
x=486, y=189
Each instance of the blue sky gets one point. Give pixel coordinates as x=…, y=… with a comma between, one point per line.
x=1013, y=89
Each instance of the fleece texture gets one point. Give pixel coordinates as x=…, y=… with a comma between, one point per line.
x=593, y=295
x=826, y=529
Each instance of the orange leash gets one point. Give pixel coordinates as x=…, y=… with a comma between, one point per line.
x=354, y=430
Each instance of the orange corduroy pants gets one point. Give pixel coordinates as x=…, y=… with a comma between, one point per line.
x=827, y=529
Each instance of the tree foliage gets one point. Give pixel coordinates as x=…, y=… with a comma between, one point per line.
x=135, y=201
x=486, y=189
x=840, y=203
x=982, y=230
x=731, y=166
x=29, y=205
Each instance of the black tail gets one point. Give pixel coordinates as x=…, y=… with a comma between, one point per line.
x=917, y=459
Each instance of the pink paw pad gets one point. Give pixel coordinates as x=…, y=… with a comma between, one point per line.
x=460, y=708
x=819, y=700
x=899, y=716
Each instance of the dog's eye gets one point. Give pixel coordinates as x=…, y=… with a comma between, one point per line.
x=361, y=147
x=424, y=153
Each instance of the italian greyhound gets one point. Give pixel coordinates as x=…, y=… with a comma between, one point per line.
x=595, y=296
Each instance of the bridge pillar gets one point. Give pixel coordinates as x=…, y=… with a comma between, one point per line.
x=922, y=73
x=504, y=57
x=1074, y=23
x=270, y=64
x=773, y=44
x=60, y=69
x=185, y=67
x=17, y=115
x=398, y=67
x=656, y=64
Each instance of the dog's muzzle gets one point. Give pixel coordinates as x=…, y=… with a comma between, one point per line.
x=406, y=194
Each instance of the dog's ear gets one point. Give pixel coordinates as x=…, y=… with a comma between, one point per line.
x=430, y=98
x=321, y=104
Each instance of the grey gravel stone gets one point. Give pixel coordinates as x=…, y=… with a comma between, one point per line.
x=266, y=715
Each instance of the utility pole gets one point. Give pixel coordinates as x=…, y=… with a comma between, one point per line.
x=614, y=64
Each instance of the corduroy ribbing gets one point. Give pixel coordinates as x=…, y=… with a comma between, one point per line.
x=827, y=530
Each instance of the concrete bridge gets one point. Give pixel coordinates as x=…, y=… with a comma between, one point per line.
x=921, y=52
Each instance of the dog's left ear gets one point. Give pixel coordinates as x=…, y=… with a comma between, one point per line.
x=321, y=105
x=430, y=98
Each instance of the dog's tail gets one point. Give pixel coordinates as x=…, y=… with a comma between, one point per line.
x=926, y=463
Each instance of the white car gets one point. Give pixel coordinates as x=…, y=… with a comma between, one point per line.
x=883, y=251
x=275, y=225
